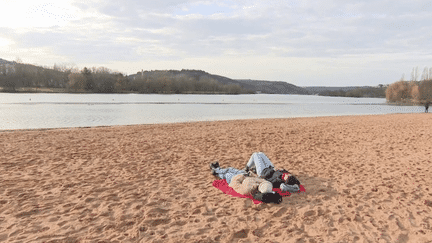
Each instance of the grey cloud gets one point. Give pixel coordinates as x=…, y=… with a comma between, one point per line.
x=314, y=29
x=80, y=47
x=200, y=36
x=134, y=7
x=7, y=32
x=41, y=39
x=97, y=51
x=221, y=27
x=148, y=21
x=280, y=28
x=363, y=31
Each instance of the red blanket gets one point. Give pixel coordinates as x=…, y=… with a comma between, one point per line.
x=223, y=186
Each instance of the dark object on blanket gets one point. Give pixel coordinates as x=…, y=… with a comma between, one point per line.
x=268, y=197
x=292, y=180
x=267, y=172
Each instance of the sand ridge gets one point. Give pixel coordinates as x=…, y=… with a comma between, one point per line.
x=367, y=180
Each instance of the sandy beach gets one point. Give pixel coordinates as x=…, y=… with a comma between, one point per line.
x=367, y=179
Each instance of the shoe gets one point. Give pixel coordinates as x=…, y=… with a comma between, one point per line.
x=213, y=172
x=214, y=165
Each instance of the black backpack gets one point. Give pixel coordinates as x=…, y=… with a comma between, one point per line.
x=268, y=197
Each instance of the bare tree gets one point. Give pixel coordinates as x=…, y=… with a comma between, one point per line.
x=89, y=81
x=425, y=91
x=413, y=91
x=77, y=81
x=425, y=74
x=414, y=74
x=122, y=83
x=3, y=70
x=430, y=73
x=397, y=91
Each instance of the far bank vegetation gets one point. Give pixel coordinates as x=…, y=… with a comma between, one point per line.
x=415, y=92
x=369, y=92
x=181, y=82
x=20, y=77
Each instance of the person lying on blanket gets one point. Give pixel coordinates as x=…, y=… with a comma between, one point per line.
x=260, y=164
x=259, y=188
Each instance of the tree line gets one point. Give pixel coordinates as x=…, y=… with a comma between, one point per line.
x=70, y=79
x=376, y=92
x=413, y=91
x=104, y=80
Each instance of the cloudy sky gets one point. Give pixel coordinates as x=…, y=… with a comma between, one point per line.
x=306, y=43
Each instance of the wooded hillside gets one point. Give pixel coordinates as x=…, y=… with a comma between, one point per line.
x=16, y=75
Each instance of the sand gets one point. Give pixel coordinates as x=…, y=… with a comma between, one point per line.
x=367, y=179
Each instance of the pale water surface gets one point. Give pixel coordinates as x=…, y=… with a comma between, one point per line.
x=29, y=111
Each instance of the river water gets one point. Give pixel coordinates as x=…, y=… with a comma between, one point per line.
x=39, y=110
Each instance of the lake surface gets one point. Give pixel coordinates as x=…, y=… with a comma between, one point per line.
x=30, y=111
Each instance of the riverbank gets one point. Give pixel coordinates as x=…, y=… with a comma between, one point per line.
x=66, y=91
x=366, y=177
x=33, y=90
x=53, y=90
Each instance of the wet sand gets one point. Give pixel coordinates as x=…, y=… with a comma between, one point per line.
x=367, y=179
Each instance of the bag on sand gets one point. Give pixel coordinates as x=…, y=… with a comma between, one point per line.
x=293, y=181
x=268, y=197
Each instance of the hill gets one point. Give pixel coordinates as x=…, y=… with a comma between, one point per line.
x=19, y=75
x=3, y=61
x=272, y=87
x=255, y=86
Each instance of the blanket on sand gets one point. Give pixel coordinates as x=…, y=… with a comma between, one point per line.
x=224, y=187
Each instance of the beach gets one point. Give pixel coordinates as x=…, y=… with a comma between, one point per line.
x=367, y=179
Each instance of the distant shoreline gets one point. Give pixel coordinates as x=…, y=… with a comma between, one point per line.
x=65, y=91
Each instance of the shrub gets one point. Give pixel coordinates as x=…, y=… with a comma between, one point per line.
x=398, y=91
x=425, y=91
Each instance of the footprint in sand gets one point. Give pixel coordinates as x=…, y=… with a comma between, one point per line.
x=157, y=212
x=156, y=222
x=241, y=234
x=280, y=212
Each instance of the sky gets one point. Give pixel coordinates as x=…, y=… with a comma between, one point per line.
x=305, y=43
